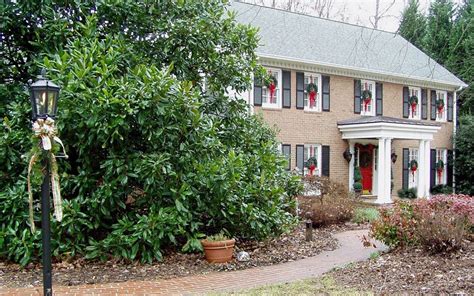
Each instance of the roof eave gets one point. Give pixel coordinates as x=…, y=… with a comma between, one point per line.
x=357, y=72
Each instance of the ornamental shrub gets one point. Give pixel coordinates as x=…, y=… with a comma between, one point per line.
x=438, y=224
x=154, y=161
x=407, y=193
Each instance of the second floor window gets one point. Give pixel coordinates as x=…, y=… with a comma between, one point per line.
x=271, y=94
x=312, y=92
x=367, y=99
x=414, y=103
x=441, y=103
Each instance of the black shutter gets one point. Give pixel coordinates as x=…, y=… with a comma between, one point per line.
x=286, y=82
x=433, y=105
x=300, y=157
x=299, y=90
x=424, y=104
x=326, y=93
x=379, y=98
x=257, y=91
x=286, y=151
x=450, y=106
x=405, y=174
x=449, y=168
x=357, y=93
x=406, y=95
x=325, y=155
x=432, y=168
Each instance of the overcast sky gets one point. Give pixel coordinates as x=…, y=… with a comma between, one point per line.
x=359, y=11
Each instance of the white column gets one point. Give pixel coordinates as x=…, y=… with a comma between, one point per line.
x=421, y=169
x=351, y=165
x=381, y=172
x=388, y=164
x=427, y=168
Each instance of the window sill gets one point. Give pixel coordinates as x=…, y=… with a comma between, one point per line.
x=270, y=108
x=312, y=111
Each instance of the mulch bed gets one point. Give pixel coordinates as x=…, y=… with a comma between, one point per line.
x=413, y=271
x=288, y=247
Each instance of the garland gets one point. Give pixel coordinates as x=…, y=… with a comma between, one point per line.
x=413, y=167
x=440, y=168
x=311, y=164
x=312, y=90
x=440, y=106
x=271, y=83
x=45, y=131
x=367, y=98
x=413, y=103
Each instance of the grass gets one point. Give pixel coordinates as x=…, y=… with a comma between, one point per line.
x=321, y=286
x=365, y=215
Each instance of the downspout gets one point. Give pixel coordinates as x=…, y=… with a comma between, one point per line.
x=455, y=121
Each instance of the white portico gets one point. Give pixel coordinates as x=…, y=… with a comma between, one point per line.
x=377, y=133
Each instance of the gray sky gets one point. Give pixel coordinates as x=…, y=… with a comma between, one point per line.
x=357, y=11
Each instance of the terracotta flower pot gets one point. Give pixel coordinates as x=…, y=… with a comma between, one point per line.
x=218, y=251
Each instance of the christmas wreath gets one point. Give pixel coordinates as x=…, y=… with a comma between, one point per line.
x=413, y=167
x=440, y=168
x=413, y=103
x=271, y=83
x=312, y=91
x=440, y=106
x=311, y=164
x=367, y=98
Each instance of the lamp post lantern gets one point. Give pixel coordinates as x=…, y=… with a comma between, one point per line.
x=44, y=98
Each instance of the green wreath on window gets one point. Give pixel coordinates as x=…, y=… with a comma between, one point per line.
x=271, y=81
x=311, y=164
x=311, y=87
x=366, y=94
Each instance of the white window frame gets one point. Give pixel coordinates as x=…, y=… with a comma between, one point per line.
x=445, y=99
x=318, y=149
x=266, y=93
x=413, y=180
x=443, y=155
x=371, y=107
x=414, y=91
x=317, y=78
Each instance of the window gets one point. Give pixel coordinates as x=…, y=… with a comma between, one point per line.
x=414, y=110
x=367, y=98
x=412, y=175
x=312, y=99
x=286, y=151
x=312, y=151
x=441, y=105
x=441, y=166
x=271, y=95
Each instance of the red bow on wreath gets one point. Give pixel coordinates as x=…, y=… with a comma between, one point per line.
x=272, y=88
x=312, y=90
x=271, y=85
x=413, y=104
x=440, y=106
x=440, y=168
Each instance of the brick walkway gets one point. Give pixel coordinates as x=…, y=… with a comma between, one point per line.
x=350, y=250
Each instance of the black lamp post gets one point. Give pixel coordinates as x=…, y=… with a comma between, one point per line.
x=44, y=98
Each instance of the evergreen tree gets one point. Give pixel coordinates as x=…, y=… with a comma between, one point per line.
x=413, y=24
x=439, y=29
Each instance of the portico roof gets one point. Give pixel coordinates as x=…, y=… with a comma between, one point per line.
x=367, y=127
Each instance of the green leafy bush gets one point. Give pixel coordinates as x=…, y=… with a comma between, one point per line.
x=407, y=193
x=365, y=215
x=357, y=186
x=154, y=162
x=441, y=189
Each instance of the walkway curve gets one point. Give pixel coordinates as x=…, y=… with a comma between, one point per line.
x=350, y=250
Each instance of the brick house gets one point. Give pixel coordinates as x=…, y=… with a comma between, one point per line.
x=363, y=114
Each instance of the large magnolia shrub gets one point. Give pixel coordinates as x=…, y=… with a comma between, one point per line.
x=438, y=224
x=154, y=162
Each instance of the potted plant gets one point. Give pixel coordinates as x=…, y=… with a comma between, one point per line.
x=218, y=248
x=357, y=181
x=357, y=188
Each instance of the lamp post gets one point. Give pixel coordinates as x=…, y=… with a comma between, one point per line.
x=44, y=98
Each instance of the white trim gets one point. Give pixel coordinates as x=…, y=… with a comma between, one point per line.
x=445, y=111
x=372, y=106
x=278, y=104
x=318, y=107
x=355, y=72
x=388, y=130
x=318, y=148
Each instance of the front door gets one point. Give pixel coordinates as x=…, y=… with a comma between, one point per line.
x=366, y=154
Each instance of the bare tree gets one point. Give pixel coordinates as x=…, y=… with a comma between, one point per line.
x=323, y=8
x=380, y=13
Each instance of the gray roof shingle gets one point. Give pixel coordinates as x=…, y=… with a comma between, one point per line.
x=384, y=119
x=319, y=40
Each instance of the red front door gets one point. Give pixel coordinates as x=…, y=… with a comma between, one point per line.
x=366, y=154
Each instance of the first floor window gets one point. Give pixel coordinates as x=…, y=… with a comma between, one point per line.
x=367, y=99
x=414, y=102
x=413, y=168
x=271, y=96
x=312, y=160
x=312, y=92
x=441, y=166
x=441, y=103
